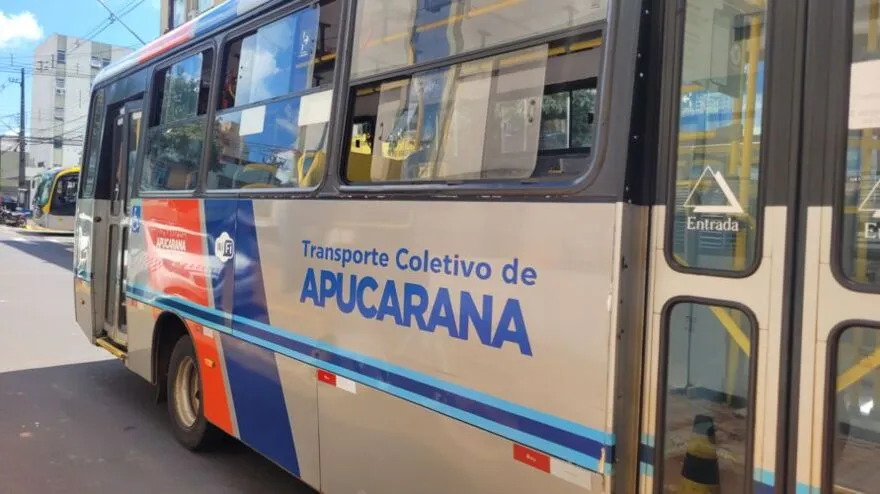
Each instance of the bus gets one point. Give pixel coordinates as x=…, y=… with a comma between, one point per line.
x=54, y=200
x=555, y=246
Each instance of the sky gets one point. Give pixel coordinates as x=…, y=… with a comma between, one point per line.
x=24, y=24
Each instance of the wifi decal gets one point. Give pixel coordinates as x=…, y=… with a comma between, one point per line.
x=712, y=206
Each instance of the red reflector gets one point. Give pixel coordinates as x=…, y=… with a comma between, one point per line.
x=531, y=457
x=327, y=377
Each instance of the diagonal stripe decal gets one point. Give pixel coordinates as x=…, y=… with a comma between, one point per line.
x=559, y=437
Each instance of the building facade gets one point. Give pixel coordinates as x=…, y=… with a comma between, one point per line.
x=64, y=68
x=176, y=12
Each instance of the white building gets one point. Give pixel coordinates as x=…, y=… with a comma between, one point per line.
x=64, y=68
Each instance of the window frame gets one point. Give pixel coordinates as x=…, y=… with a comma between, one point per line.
x=251, y=27
x=604, y=30
x=830, y=406
x=150, y=106
x=663, y=379
x=90, y=141
x=672, y=60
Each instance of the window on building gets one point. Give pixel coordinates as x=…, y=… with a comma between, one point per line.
x=57, y=142
x=527, y=114
x=105, y=62
x=282, y=142
x=61, y=56
x=59, y=83
x=59, y=113
x=96, y=62
x=41, y=164
x=177, y=14
x=205, y=5
x=177, y=127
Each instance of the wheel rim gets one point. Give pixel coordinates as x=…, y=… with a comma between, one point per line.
x=187, y=392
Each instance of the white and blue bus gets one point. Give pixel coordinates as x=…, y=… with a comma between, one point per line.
x=474, y=246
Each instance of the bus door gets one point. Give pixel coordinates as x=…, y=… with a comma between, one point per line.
x=125, y=138
x=720, y=233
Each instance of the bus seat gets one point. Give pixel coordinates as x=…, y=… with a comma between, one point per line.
x=358, y=167
x=315, y=172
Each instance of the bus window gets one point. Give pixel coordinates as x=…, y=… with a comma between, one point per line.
x=93, y=154
x=856, y=428
x=714, y=222
x=283, y=142
x=390, y=34
x=859, y=252
x=521, y=115
x=707, y=399
x=177, y=131
x=64, y=198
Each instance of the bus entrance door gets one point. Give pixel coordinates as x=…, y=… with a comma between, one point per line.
x=126, y=133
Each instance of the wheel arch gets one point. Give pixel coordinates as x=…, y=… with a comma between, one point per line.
x=167, y=330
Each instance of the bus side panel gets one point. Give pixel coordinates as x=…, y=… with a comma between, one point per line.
x=494, y=314
x=375, y=443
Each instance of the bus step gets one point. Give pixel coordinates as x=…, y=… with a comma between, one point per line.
x=110, y=346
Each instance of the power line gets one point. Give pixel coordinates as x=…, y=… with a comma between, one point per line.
x=113, y=16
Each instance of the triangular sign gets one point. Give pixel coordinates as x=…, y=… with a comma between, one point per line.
x=871, y=203
x=732, y=207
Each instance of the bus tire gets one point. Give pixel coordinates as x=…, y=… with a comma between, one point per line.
x=191, y=429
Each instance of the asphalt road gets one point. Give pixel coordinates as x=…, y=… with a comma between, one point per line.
x=72, y=420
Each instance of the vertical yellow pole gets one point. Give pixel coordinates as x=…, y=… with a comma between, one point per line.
x=753, y=53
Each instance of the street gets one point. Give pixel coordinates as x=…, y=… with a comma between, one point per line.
x=74, y=420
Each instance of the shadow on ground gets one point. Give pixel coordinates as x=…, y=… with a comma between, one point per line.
x=93, y=427
x=43, y=247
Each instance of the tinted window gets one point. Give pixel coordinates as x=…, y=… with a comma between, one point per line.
x=183, y=92
x=859, y=255
x=93, y=154
x=294, y=53
x=719, y=136
x=64, y=197
x=282, y=142
x=856, y=432
x=396, y=33
x=175, y=140
x=521, y=115
x=707, y=398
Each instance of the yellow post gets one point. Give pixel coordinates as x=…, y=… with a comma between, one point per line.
x=745, y=171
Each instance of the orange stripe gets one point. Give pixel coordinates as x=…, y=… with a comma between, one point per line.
x=214, y=399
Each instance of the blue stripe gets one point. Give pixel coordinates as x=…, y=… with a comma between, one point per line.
x=561, y=438
x=202, y=315
x=219, y=219
x=249, y=299
x=260, y=409
x=221, y=14
x=807, y=489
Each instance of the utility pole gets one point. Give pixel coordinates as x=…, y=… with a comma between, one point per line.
x=21, y=178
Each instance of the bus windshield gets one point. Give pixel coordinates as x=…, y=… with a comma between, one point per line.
x=43, y=191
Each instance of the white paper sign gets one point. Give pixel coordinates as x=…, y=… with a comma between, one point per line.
x=252, y=121
x=315, y=108
x=864, y=95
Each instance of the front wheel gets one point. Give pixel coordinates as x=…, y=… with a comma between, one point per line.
x=185, y=404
